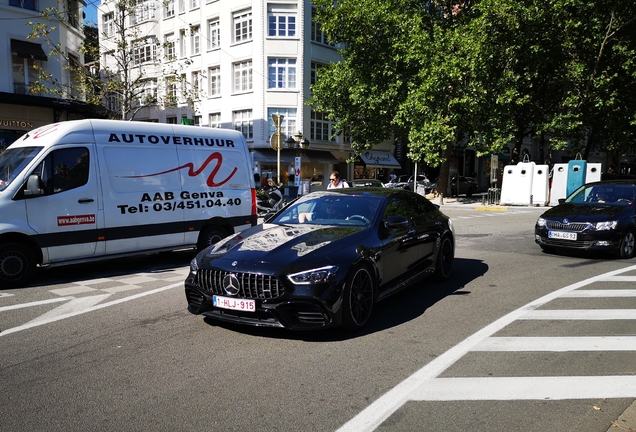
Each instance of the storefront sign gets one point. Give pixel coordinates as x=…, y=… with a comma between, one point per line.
x=16, y=124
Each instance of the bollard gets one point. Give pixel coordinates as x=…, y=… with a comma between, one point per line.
x=441, y=199
x=483, y=199
x=531, y=201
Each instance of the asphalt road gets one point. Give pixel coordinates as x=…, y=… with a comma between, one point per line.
x=111, y=346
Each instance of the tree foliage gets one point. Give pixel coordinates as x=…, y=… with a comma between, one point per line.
x=482, y=73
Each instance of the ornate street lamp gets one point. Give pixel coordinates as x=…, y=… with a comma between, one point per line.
x=298, y=145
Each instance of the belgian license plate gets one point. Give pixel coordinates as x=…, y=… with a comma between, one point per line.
x=234, y=304
x=562, y=235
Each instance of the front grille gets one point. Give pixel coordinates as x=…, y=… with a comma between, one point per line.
x=575, y=226
x=252, y=286
x=576, y=244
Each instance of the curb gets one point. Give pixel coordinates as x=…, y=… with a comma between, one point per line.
x=626, y=421
x=498, y=208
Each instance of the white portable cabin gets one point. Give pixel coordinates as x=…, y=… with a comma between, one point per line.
x=540, y=185
x=516, y=186
x=559, y=183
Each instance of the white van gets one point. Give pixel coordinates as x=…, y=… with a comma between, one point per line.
x=85, y=190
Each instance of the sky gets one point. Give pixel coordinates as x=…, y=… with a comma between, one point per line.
x=91, y=12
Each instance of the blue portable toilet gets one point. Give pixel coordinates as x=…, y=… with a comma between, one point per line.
x=577, y=170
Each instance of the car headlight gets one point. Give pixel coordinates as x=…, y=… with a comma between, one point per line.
x=541, y=222
x=319, y=275
x=194, y=266
x=603, y=226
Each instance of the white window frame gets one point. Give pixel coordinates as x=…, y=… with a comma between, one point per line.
x=108, y=24
x=288, y=125
x=243, y=76
x=321, y=127
x=282, y=21
x=197, y=87
x=214, y=34
x=169, y=8
x=244, y=123
x=242, y=24
x=196, y=40
x=145, y=52
x=317, y=35
x=144, y=11
x=194, y=4
x=281, y=73
x=170, y=48
x=182, y=7
x=183, y=44
x=215, y=120
x=214, y=80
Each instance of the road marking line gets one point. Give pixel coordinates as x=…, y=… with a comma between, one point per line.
x=373, y=415
x=620, y=279
x=581, y=314
x=602, y=293
x=6, y=295
x=527, y=388
x=37, y=303
x=90, y=309
x=558, y=344
x=75, y=305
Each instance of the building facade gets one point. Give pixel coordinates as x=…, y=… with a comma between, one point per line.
x=22, y=109
x=234, y=64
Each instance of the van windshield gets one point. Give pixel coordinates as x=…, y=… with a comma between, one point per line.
x=13, y=161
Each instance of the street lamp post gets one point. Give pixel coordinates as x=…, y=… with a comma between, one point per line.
x=276, y=141
x=298, y=145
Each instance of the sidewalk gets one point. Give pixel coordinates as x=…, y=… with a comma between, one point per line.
x=477, y=202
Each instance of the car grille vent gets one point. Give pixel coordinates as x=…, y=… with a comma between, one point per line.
x=316, y=318
x=576, y=226
x=252, y=286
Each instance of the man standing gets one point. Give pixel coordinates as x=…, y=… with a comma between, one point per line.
x=335, y=182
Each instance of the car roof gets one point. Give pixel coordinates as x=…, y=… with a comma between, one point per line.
x=358, y=191
x=611, y=182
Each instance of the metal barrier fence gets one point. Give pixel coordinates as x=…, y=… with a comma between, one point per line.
x=494, y=194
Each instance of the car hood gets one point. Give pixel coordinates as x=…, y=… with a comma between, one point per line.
x=586, y=212
x=285, y=244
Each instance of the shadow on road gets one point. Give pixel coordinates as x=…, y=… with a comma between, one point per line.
x=398, y=309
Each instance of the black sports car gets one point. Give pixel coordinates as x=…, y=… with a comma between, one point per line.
x=597, y=216
x=322, y=261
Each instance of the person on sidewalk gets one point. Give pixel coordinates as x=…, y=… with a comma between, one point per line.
x=335, y=182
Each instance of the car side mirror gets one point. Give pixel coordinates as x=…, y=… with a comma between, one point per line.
x=561, y=200
x=33, y=186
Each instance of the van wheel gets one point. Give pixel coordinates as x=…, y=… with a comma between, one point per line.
x=17, y=264
x=210, y=235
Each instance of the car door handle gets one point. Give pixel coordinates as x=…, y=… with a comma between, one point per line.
x=85, y=200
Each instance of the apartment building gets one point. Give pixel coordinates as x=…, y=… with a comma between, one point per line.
x=22, y=109
x=234, y=64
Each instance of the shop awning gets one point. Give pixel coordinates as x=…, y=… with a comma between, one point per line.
x=379, y=159
x=27, y=50
x=268, y=156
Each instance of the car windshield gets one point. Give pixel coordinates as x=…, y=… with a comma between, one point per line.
x=331, y=209
x=613, y=194
x=13, y=161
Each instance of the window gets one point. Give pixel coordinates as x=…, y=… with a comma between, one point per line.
x=108, y=24
x=171, y=91
x=281, y=73
x=182, y=4
x=214, y=36
x=281, y=20
x=144, y=51
x=183, y=45
x=194, y=4
x=243, y=122
x=315, y=67
x=63, y=170
x=243, y=76
x=196, y=85
x=242, y=26
x=196, y=40
x=148, y=93
x=74, y=78
x=214, y=76
x=288, y=125
x=24, y=4
x=321, y=127
x=169, y=47
x=169, y=8
x=317, y=35
x=215, y=120
x=72, y=11
x=144, y=11
x=25, y=73
x=171, y=120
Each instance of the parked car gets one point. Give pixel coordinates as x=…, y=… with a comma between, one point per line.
x=467, y=186
x=366, y=183
x=597, y=216
x=323, y=261
x=406, y=182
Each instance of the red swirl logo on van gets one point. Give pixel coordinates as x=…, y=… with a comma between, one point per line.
x=192, y=172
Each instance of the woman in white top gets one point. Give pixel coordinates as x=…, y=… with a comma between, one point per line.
x=335, y=182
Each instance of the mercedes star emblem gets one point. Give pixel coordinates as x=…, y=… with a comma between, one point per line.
x=231, y=284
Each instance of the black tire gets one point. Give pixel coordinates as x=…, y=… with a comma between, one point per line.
x=210, y=235
x=17, y=265
x=627, y=247
x=359, y=296
x=445, y=258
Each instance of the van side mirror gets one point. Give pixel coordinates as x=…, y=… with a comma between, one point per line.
x=33, y=186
